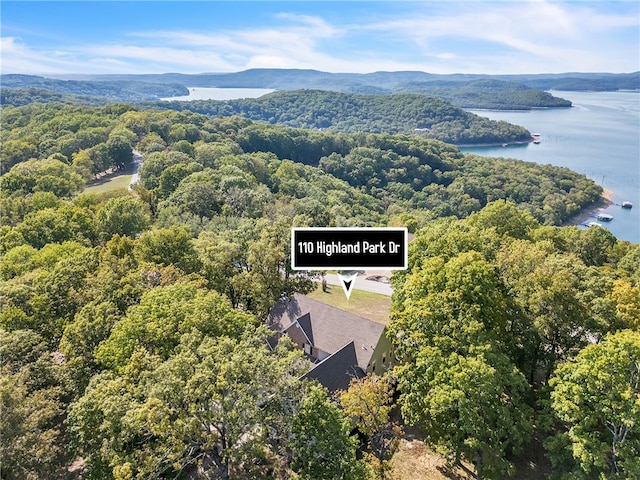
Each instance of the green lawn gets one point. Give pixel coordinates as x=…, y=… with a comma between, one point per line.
x=109, y=183
x=373, y=306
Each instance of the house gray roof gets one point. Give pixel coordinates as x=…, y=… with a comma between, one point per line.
x=329, y=328
x=304, y=323
x=336, y=371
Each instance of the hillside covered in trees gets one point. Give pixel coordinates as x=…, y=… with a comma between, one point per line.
x=343, y=112
x=404, y=172
x=18, y=97
x=487, y=94
x=471, y=91
x=401, y=81
x=132, y=338
x=85, y=90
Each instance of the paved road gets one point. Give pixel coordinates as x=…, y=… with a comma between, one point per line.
x=362, y=284
x=137, y=161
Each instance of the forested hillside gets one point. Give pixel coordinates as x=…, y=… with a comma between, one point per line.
x=487, y=94
x=132, y=322
x=24, y=96
x=406, y=173
x=473, y=91
x=343, y=112
x=121, y=91
x=381, y=82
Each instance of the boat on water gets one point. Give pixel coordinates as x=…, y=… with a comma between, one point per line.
x=605, y=217
x=627, y=204
x=594, y=224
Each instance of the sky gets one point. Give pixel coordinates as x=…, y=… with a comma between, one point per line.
x=497, y=37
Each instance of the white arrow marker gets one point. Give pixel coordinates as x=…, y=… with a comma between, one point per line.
x=347, y=282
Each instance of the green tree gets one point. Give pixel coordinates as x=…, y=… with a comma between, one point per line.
x=83, y=164
x=251, y=264
x=25, y=258
x=597, y=398
x=59, y=291
x=321, y=441
x=554, y=321
x=156, y=163
x=269, y=275
x=197, y=196
x=32, y=402
x=451, y=304
x=16, y=261
x=48, y=175
x=151, y=143
x=470, y=406
x=171, y=246
x=593, y=245
x=505, y=218
x=163, y=315
x=207, y=154
x=626, y=298
x=122, y=216
x=629, y=265
x=57, y=225
x=173, y=175
x=119, y=151
x=16, y=151
x=210, y=405
x=80, y=339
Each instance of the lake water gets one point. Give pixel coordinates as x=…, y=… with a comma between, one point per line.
x=211, y=93
x=598, y=137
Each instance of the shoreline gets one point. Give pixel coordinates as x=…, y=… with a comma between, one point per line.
x=505, y=144
x=606, y=199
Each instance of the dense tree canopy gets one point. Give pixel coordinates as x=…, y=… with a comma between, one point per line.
x=32, y=393
x=597, y=398
x=86, y=90
x=190, y=158
x=130, y=319
x=344, y=112
x=486, y=313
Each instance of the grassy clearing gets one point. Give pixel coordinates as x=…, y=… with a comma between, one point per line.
x=109, y=183
x=373, y=306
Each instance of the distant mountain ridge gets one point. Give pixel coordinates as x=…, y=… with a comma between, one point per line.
x=386, y=82
x=521, y=92
x=125, y=90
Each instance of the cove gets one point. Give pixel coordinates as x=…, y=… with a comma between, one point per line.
x=599, y=137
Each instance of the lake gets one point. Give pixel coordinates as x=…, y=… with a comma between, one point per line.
x=211, y=93
x=598, y=137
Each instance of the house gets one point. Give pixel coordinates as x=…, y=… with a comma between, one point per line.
x=339, y=344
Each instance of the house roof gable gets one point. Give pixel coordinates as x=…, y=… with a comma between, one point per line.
x=329, y=328
x=336, y=371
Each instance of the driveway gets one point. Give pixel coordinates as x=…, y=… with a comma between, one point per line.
x=363, y=284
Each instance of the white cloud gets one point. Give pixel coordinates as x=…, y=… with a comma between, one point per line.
x=161, y=56
x=293, y=46
x=17, y=57
x=511, y=37
x=541, y=35
x=446, y=56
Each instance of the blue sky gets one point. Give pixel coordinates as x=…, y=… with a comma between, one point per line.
x=336, y=36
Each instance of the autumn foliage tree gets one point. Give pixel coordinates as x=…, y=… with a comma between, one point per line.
x=369, y=403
